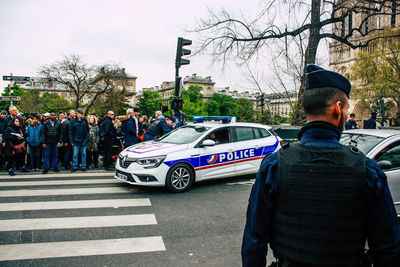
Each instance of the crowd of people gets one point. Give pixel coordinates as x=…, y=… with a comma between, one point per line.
x=72, y=140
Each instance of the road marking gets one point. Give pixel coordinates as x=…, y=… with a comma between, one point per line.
x=70, y=191
x=81, y=248
x=75, y=204
x=54, y=175
x=77, y=222
x=249, y=182
x=63, y=182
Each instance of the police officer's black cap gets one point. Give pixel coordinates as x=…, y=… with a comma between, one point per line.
x=352, y=115
x=373, y=113
x=318, y=77
x=136, y=109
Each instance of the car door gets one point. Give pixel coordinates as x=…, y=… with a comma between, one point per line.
x=216, y=161
x=391, y=153
x=252, y=144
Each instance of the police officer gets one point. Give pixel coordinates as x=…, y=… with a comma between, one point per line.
x=371, y=122
x=158, y=128
x=316, y=202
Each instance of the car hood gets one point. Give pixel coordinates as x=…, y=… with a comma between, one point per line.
x=152, y=148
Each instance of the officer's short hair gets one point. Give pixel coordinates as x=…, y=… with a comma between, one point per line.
x=317, y=101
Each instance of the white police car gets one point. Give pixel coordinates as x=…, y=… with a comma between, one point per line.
x=383, y=146
x=196, y=152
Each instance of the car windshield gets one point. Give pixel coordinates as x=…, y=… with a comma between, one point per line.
x=362, y=141
x=184, y=135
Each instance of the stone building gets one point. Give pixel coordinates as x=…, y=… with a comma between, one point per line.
x=342, y=56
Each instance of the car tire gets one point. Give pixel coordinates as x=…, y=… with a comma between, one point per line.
x=179, y=178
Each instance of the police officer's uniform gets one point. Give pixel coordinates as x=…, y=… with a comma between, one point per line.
x=316, y=203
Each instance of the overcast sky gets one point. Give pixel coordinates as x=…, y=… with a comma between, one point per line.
x=138, y=35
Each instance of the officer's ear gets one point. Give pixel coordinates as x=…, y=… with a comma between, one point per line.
x=336, y=109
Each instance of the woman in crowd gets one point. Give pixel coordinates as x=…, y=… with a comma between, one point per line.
x=93, y=151
x=144, y=122
x=14, y=139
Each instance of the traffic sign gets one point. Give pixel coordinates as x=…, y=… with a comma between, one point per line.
x=16, y=78
x=10, y=98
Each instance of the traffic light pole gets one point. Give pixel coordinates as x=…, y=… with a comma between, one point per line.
x=179, y=61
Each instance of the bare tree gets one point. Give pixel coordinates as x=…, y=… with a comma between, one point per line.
x=72, y=75
x=227, y=37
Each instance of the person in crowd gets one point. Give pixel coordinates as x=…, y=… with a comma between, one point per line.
x=158, y=128
x=52, y=135
x=61, y=150
x=93, y=153
x=3, y=115
x=66, y=123
x=144, y=122
x=351, y=123
x=130, y=127
x=34, y=140
x=15, y=147
x=45, y=117
x=371, y=122
x=108, y=134
x=308, y=206
x=79, y=135
x=13, y=114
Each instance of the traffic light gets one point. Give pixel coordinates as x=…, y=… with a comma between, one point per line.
x=179, y=61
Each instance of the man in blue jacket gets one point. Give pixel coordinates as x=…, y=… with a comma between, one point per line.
x=34, y=139
x=317, y=202
x=131, y=127
x=79, y=135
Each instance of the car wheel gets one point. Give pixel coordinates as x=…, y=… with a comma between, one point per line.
x=179, y=178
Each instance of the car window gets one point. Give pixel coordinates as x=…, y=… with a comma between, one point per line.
x=184, y=135
x=244, y=133
x=220, y=136
x=362, y=141
x=390, y=153
x=265, y=133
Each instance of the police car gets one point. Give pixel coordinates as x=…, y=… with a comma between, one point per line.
x=209, y=148
x=383, y=146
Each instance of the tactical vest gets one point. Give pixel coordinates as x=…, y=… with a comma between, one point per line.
x=319, y=207
x=154, y=128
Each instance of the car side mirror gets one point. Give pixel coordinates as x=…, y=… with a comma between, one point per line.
x=385, y=164
x=208, y=142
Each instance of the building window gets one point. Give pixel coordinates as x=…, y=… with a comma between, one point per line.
x=208, y=91
x=350, y=22
x=366, y=22
x=393, y=16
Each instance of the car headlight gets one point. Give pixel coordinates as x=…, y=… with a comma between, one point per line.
x=151, y=162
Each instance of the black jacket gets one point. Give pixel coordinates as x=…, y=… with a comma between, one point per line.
x=50, y=134
x=11, y=140
x=109, y=128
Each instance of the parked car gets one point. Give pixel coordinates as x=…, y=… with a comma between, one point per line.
x=383, y=146
x=195, y=152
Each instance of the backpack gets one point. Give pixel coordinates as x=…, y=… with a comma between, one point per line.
x=102, y=132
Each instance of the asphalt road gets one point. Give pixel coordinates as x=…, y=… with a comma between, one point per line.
x=92, y=219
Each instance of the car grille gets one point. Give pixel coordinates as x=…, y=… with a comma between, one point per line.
x=124, y=162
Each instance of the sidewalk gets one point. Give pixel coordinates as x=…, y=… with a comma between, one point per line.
x=62, y=172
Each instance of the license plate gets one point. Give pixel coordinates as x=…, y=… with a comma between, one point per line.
x=122, y=176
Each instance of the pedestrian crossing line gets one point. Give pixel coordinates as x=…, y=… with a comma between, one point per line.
x=77, y=222
x=75, y=204
x=81, y=248
x=62, y=182
x=58, y=175
x=68, y=191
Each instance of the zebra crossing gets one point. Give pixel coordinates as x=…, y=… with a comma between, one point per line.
x=23, y=196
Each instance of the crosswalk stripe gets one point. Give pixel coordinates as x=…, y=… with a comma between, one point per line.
x=57, y=175
x=81, y=248
x=75, y=204
x=69, y=191
x=63, y=182
x=77, y=222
